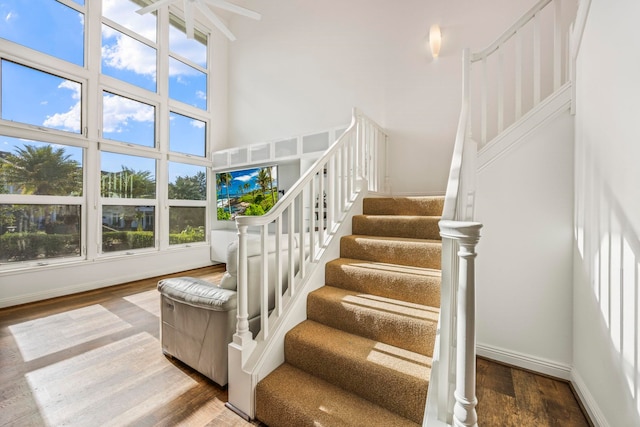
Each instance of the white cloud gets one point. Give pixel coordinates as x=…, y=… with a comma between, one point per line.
x=179, y=68
x=130, y=54
x=124, y=13
x=197, y=124
x=200, y=94
x=118, y=111
x=73, y=86
x=69, y=120
x=246, y=178
x=187, y=48
x=10, y=16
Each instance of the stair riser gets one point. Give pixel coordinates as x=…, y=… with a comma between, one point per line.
x=424, y=254
x=394, y=226
x=403, y=206
x=415, y=331
x=414, y=288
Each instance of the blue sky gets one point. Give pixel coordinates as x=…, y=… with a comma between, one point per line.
x=41, y=99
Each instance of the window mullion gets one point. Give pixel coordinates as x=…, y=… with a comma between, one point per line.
x=92, y=120
x=162, y=138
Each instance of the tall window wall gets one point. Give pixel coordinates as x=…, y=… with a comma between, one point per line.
x=104, y=121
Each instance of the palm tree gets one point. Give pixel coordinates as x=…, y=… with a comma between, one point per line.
x=264, y=179
x=273, y=197
x=246, y=186
x=225, y=179
x=43, y=171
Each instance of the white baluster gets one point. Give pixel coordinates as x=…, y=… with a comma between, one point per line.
x=264, y=281
x=518, y=90
x=536, y=59
x=557, y=45
x=484, y=102
x=500, y=88
x=242, y=326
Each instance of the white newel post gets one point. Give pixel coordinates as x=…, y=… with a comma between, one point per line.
x=467, y=234
x=241, y=396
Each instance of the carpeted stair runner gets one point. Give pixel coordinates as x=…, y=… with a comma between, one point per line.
x=363, y=356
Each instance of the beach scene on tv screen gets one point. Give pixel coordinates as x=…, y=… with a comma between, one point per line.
x=246, y=192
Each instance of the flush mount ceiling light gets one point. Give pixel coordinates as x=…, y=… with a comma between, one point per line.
x=203, y=7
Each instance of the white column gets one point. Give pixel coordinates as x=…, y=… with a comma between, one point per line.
x=467, y=234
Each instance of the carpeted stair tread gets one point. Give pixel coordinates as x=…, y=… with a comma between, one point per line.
x=391, y=377
x=413, y=227
x=428, y=205
x=397, y=323
x=412, y=284
x=393, y=250
x=291, y=397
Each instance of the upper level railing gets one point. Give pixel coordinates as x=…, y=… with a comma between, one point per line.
x=295, y=233
x=501, y=84
x=523, y=66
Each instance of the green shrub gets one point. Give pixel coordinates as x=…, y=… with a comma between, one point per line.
x=126, y=240
x=254, y=210
x=31, y=246
x=223, y=214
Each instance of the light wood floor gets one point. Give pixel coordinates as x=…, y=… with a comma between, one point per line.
x=94, y=359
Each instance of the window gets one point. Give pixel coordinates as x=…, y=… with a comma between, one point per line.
x=37, y=98
x=81, y=145
x=128, y=59
x=39, y=232
x=187, y=84
x=126, y=120
x=36, y=230
x=187, y=135
x=127, y=177
x=187, y=66
x=124, y=13
x=186, y=225
x=46, y=26
x=39, y=168
x=188, y=195
x=127, y=228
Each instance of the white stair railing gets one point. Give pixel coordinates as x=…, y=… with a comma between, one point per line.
x=300, y=225
x=527, y=63
x=451, y=398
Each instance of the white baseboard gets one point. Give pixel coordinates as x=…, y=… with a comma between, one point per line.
x=588, y=402
x=525, y=361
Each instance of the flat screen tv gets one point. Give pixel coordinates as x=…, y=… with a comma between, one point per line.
x=251, y=191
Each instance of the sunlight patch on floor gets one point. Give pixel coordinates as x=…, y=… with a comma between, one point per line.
x=48, y=335
x=110, y=385
x=148, y=301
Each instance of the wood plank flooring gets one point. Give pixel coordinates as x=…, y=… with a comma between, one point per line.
x=94, y=359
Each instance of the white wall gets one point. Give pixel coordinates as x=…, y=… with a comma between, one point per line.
x=43, y=282
x=307, y=63
x=524, y=267
x=607, y=199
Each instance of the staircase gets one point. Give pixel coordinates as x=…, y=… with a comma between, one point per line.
x=364, y=354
